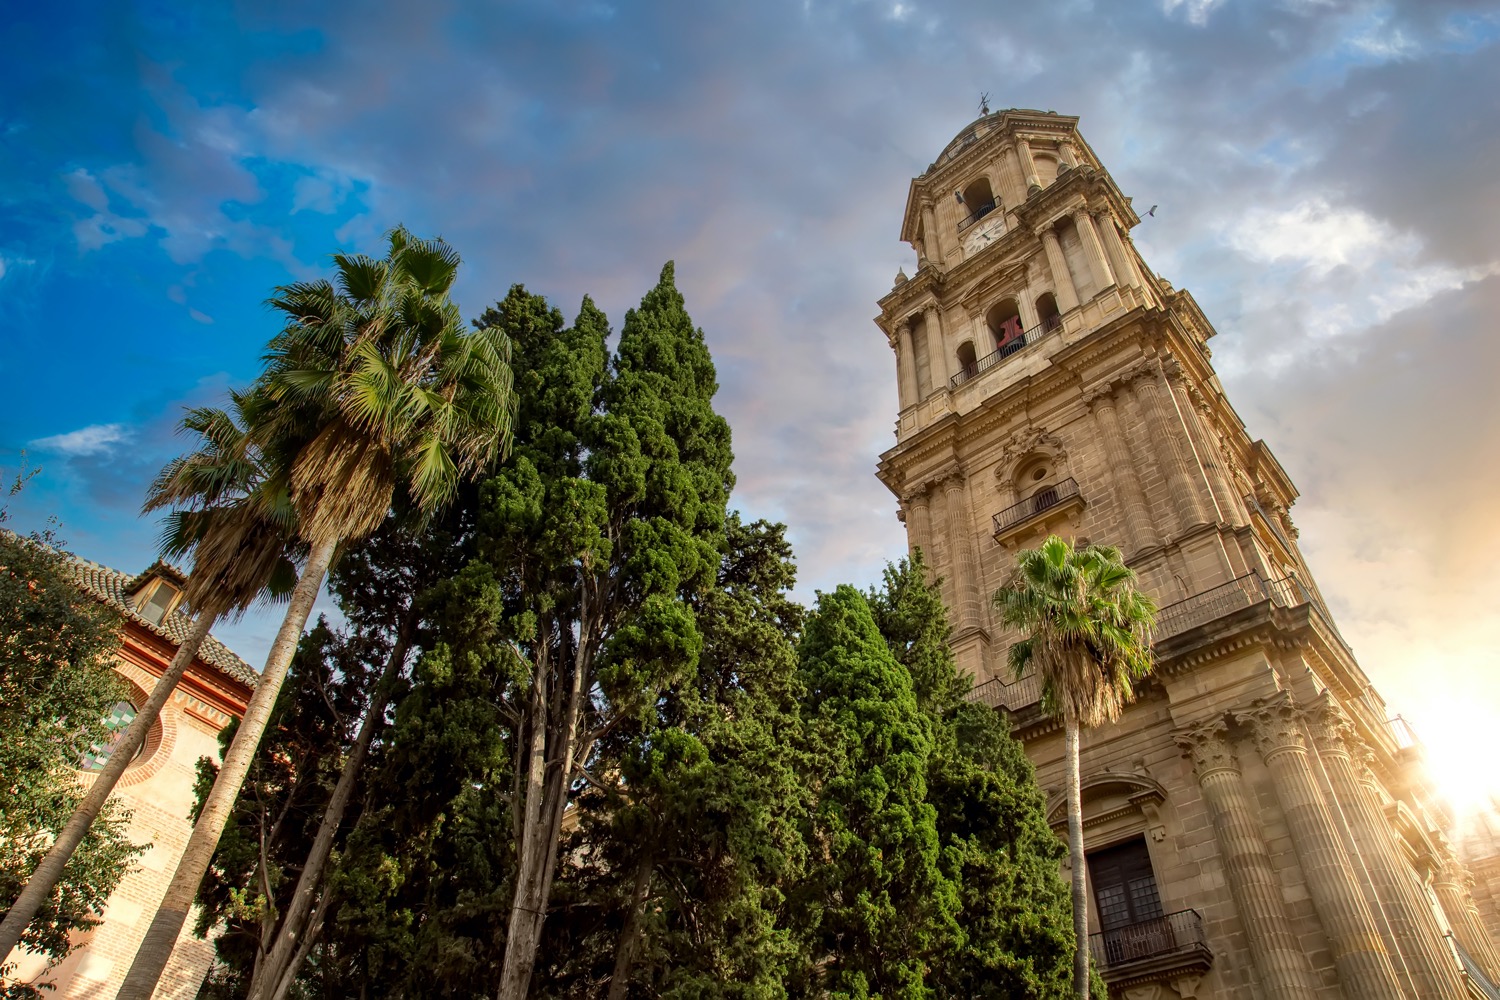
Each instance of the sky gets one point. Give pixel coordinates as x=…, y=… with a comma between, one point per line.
x=1325, y=173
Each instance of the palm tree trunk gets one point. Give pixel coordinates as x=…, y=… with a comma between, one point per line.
x=619, y=980
x=275, y=965
x=38, y=888
x=156, y=948
x=1077, y=859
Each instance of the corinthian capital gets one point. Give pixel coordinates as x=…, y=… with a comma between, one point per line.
x=1209, y=747
x=1276, y=726
x=1331, y=729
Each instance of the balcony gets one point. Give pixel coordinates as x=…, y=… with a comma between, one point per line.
x=1053, y=498
x=1152, y=950
x=1026, y=339
x=984, y=209
x=1216, y=602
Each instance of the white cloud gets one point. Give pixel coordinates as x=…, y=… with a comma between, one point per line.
x=85, y=187
x=1313, y=233
x=97, y=439
x=1196, y=11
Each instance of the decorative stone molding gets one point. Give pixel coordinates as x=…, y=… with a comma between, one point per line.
x=1023, y=443
x=1331, y=730
x=1276, y=726
x=1209, y=746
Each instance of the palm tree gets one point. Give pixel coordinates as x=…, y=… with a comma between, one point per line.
x=238, y=541
x=1087, y=633
x=373, y=384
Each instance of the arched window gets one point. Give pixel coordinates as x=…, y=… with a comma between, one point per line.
x=1004, y=322
x=1046, y=311
x=978, y=201
x=118, y=721
x=966, y=357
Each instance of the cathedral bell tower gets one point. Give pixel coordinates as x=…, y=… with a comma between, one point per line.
x=1256, y=825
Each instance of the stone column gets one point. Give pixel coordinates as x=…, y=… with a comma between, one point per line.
x=1172, y=452
x=1119, y=259
x=906, y=365
x=1069, y=153
x=1015, y=183
x=1196, y=412
x=919, y=525
x=1452, y=884
x=1409, y=920
x=1028, y=166
x=961, y=543
x=1364, y=967
x=1062, y=281
x=1139, y=531
x=930, y=239
x=937, y=349
x=1027, y=306
x=1093, y=251
x=1280, y=960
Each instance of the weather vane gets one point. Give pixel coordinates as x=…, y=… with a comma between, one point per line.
x=984, y=102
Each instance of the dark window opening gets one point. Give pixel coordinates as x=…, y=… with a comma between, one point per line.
x=1046, y=311
x=978, y=201
x=1124, y=885
x=159, y=603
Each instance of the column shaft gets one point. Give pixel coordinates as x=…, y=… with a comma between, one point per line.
x=961, y=544
x=1280, y=960
x=1167, y=437
x=937, y=350
x=1062, y=281
x=919, y=526
x=1028, y=165
x=1230, y=507
x=1119, y=260
x=1093, y=252
x=906, y=366
x=1452, y=887
x=930, y=240
x=1138, y=528
x=1027, y=305
x=1364, y=967
x=1417, y=934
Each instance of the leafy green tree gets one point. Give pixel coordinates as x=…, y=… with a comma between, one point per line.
x=1014, y=926
x=372, y=386
x=677, y=874
x=1086, y=631
x=881, y=903
x=57, y=688
x=604, y=520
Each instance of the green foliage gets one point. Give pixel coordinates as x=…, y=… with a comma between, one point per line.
x=1085, y=628
x=882, y=901
x=57, y=686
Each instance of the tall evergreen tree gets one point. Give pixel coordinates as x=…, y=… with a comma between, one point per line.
x=879, y=903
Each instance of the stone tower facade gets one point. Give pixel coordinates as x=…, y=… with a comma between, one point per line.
x=1257, y=827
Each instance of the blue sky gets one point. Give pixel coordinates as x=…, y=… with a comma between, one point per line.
x=1325, y=171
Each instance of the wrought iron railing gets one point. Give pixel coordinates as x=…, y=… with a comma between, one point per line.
x=1013, y=695
x=1475, y=972
x=1219, y=601
x=1026, y=339
x=1174, y=934
x=1042, y=500
x=978, y=213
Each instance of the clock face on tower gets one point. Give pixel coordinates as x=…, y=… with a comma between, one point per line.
x=982, y=235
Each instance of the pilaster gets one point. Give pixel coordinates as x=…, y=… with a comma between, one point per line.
x=1171, y=457
x=906, y=365
x=961, y=542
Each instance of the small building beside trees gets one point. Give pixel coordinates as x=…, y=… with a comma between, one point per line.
x=157, y=791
